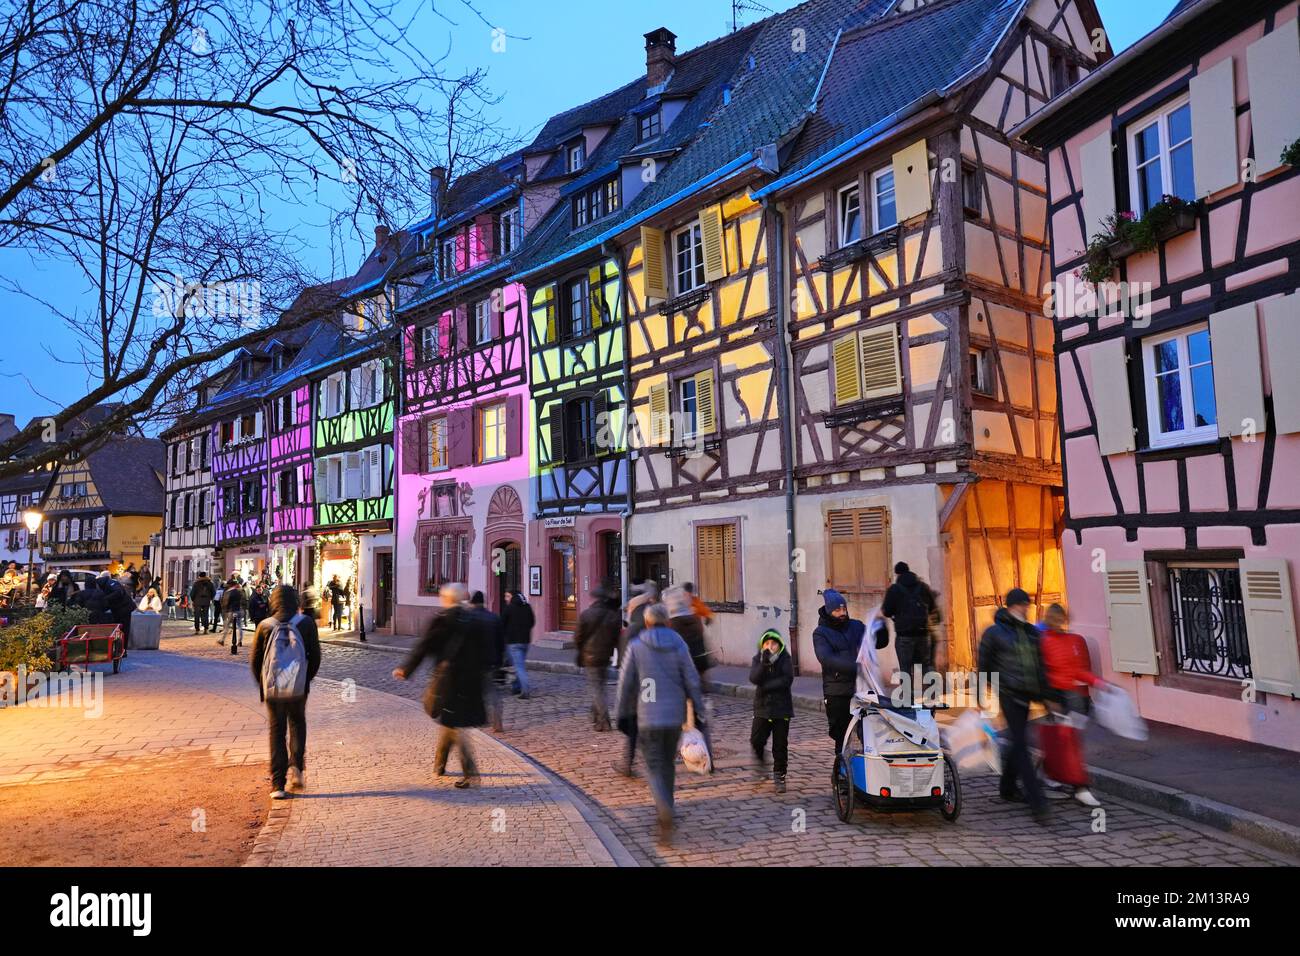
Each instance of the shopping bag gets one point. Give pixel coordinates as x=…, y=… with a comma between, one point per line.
x=1062, y=753
x=972, y=743
x=1114, y=710
x=693, y=749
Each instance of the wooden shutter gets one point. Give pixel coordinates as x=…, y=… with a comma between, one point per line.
x=1214, y=129
x=375, y=461
x=556, y=426
x=548, y=304
x=483, y=225
x=881, y=373
x=652, y=254
x=841, y=536
x=352, y=475
x=462, y=326
x=1128, y=599
x=1110, y=397
x=858, y=549
x=660, y=427
x=460, y=437
x=595, y=295
x=257, y=424
x=1098, y=175
x=709, y=563
x=411, y=450
x=356, y=387
x=1282, y=328
x=1273, y=72
x=322, y=481
x=712, y=243
x=300, y=487
x=600, y=411
x=912, y=181
x=706, y=404
x=1238, y=384
x=1270, y=625
x=514, y=425
x=848, y=374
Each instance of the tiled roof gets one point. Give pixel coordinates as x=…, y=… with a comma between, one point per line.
x=125, y=471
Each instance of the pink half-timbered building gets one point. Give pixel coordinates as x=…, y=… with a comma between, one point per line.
x=463, y=481
x=1180, y=417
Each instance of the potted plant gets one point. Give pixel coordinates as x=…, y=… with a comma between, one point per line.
x=1124, y=234
x=1291, y=155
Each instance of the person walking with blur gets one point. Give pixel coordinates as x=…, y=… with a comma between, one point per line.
x=836, y=641
x=518, y=620
x=337, y=599
x=493, y=633
x=1011, y=648
x=1067, y=666
x=702, y=610
x=596, y=638
x=658, y=659
x=232, y=608
x=772, y=675
x=683, y=620
x=455, y=694
x=284, y=660
x=910, y=604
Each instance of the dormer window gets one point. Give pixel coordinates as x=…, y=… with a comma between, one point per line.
x=277, y=360
x=577, y=155
x=596, y=202
x=447, y=258
x=246, y=369
x=506, y=236
x=650, y=126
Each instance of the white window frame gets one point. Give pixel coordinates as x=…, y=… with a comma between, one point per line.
x=1159, y=117
x=482, y=321
x=430, y=342
x=876, y=177
x=441, y=422
x=696, y=267
x=506, y=232
x=499, y=427
x=840, y=219
x=447, y=257
x=1188, y=435
x=691, y=419
x=577, y=155
x=982, y=362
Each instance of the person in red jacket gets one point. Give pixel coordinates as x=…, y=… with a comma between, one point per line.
x=1069, y=670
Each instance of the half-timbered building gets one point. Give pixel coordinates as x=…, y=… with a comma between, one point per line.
x=189, y=530
x=1176, y=358
x=463, y=478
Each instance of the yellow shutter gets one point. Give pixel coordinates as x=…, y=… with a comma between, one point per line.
x=730, y=566
x=848, y=379
x=708, y=562
x=595, y=294
x=652, y=255
x=706, y=406
x=715, y=260
x=659, y=413
x=881, y=374
x=912, y=181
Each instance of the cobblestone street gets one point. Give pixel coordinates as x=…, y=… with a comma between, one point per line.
x=733, y=819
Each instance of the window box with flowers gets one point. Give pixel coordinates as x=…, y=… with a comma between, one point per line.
x=1124, y=234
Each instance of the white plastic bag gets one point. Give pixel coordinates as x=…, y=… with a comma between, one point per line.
x=972, y=742
x=1115, y=711
x=692, y=747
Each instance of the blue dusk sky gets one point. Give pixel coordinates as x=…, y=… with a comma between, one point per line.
x=558, y=55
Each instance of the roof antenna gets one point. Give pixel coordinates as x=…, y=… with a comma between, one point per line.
x=739, y=7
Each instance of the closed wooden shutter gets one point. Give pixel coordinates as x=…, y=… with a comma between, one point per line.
x=548, y=304
x=352, y=477
x=1238, y=374
x=848, y=375
x=484, y=226
x=1128, y=600
x=356, y=387
x=858, y=549
x=409, y=433
x=1214, y=129
x=1273, y=73
x=460, y=437
x=711, y=243
x=1098, y=175
x=605, y=441
x=374, y=463
x=514, y=425
x=1282, y=329
x=717, y=563
x=1270, y=625
x=912, y=181
x=596, y=296
x=322, y=481
x=881, y=373
x=652, y=254
x=1110, y=397
x=556, y=427
x=660, y=428
x=462, y=338
x=706, y=404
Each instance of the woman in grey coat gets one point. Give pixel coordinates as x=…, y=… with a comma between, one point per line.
x=654, y=683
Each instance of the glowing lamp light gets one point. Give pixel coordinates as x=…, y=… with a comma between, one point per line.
x=33, y=520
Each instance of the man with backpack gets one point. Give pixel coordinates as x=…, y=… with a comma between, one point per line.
x=910, y=604
x=202, y=594
x=285, y=658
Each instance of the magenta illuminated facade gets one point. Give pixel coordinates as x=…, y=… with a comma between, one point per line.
x=462, y=485
x=1181, y=420
x=290, y=482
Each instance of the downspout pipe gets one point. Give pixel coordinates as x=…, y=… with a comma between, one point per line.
x=777, y=248
x=611, y=250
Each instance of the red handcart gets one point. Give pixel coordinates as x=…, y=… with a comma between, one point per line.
x=87, y=644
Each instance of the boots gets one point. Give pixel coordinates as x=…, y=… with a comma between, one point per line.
x=778, y=781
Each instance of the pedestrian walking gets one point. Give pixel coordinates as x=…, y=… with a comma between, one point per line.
x=284, y=660
x=644, y=594
x=337, y=598
x=1010, y=648
x=656, y=680
x=1068, y=669
x=490, y=628
x=232, y=608
x=202, y=595
x=702, y=610
x=518, y=621
x=259, y=606
x=911, y=605
x=596, y=638
x=836, y=641
x=216, y=605
x=454, y=697
x=683, y=620
x=772, y=675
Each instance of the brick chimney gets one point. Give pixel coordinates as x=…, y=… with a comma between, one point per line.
x=437, y=184
x=660, y=55
x=381, y=237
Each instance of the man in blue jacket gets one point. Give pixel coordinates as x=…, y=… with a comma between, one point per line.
x=836, y=641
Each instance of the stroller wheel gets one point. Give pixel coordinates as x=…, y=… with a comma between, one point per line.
x=842, y=786
x=951, y=806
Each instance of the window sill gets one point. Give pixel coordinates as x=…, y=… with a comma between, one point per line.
x=1187, y=449
x=1199, y=684
x=726, y=607
x=1183, y=221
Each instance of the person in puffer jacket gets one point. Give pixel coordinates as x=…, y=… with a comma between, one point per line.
x=654, y=683
x=836, y=642
x=772, y=675
x=1010, y=648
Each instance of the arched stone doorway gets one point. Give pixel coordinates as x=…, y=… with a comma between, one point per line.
x=504, y=536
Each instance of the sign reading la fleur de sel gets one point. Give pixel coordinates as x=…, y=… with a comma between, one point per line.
x=562, y=521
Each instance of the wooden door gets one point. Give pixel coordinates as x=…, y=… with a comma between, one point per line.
x=564, y=578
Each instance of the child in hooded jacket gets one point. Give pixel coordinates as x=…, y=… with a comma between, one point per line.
x=772, y=675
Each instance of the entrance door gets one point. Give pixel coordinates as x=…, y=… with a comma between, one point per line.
x=565, y=583
x=509, y=578
x=612, y=547
x=650, y=564
x=383, y=588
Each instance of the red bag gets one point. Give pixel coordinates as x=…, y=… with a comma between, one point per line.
x=1062, y=753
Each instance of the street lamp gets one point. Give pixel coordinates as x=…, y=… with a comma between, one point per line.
x=32, y=519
